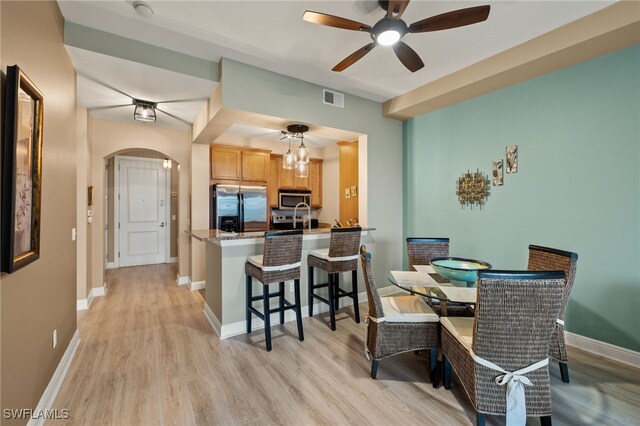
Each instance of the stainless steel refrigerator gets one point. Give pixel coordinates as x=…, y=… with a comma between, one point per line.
x=238, y=208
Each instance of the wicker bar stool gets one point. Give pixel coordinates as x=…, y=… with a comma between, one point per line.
x=280, y=263
x=342, y=256
x=395, y=324
x=545, y=259
x=420, y=251
x=505, y=348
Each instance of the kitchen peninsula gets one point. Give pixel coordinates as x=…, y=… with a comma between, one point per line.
x=225, y=256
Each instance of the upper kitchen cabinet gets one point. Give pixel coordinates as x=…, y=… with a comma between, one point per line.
x=241, y=165
x=274, y=180
x=225, y=162
x=315, y=182
x=255, y=166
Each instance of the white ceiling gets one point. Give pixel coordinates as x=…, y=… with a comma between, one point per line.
x=272, y=35
x=105, y=83
x=270, y=135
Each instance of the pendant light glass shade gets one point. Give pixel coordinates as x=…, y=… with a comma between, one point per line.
x=302, y=169
x=302, y=153
x=289, y=160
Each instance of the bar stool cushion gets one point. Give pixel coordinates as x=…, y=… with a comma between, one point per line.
x=461, y=328
x=258, y=262
x=407, y=309
x=324, y=255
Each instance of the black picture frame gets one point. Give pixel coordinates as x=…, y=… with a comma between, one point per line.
x=21, y=172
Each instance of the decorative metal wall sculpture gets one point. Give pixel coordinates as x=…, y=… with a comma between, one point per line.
x=472, y=188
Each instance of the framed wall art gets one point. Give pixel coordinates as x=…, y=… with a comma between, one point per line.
x=497, y=173
x=21, y=171
x=512, y=158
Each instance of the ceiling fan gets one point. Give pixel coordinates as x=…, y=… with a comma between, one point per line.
x=390, y=29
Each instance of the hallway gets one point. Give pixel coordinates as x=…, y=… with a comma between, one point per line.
x=148, y=356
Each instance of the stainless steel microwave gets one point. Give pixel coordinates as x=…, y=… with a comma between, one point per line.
x=289, y=199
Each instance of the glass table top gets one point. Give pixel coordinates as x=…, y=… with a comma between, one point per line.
x=426, y=284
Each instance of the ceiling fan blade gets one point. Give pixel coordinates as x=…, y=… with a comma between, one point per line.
x=334, y=21
x=396, y=8
x=174, y=116
x=108, y=107
x=453, y=19
x=408, y=56
x=353, y=58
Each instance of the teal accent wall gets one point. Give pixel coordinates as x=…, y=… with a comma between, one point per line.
x=577, y=187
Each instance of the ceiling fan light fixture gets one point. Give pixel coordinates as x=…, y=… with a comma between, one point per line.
x=144, y=111
x=388, y=37
x=388, y=31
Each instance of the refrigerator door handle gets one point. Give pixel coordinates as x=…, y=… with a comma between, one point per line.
x=240, y=212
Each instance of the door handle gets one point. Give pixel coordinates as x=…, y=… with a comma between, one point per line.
x=162, y=225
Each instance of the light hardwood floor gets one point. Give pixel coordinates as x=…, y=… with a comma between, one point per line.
x=148, y=356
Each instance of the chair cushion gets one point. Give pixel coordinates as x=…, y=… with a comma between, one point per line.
x=407, y=309
x=258, y=262
x=461, y=328
x=324, y=255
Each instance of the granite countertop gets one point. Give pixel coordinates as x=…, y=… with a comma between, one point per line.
x=218, y=235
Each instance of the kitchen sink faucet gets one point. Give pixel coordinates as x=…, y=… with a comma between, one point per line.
x=295, y=211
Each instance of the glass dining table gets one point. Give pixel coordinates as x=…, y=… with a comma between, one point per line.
x=428, y=283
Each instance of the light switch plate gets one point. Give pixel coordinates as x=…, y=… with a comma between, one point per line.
x=74, y=234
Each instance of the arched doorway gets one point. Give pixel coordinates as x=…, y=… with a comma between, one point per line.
x=141, y=211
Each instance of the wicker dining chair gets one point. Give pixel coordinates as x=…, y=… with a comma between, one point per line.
x=515, y=316
x=420, y=251
x=341, y=256
x=544, y=259
x=395, y=324
x=279, y=263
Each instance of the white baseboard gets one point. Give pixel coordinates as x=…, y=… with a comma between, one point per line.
x=182, y=280
x=240, y=327
x=197, y=285
x=215, y=324
x=172, y=260
x=111, y=265
x=84, y=304
x=603, y=349
x=51, y=391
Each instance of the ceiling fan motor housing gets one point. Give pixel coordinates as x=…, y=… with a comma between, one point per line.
x=386, y=24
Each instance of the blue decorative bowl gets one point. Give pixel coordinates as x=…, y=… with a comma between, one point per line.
x=459, y=269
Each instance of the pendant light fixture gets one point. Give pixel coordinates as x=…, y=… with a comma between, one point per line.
x=289, y=159
x=301, y=160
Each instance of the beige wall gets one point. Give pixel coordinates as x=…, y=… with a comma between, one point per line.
x=113, y=137
x=83, y=245
x=199, y=207
x=41, y=297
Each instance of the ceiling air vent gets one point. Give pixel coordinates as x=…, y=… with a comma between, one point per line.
x=330, y=97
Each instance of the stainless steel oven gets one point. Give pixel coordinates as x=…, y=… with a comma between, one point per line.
x=288, y=199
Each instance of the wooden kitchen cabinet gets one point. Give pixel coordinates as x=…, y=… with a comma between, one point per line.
x=225, y=162
x=255, y=166
x=315, y=182
x=241, y=165
x=274, y=180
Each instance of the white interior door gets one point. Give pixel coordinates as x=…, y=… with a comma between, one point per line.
x=142, y=211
